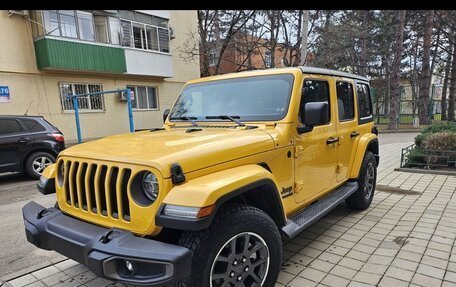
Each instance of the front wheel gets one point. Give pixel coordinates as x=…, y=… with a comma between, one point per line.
x=242, y=247
x=367, y=178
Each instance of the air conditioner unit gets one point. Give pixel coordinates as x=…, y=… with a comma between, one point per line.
x=172, y=33
x=23, y=13
x=123, y=96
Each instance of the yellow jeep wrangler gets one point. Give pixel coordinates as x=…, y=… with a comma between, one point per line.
x=242, y=161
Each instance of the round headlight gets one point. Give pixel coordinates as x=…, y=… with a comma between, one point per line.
x=60, y=173
x=150, y=186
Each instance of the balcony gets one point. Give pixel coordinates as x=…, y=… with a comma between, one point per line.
x=147, y=63
x=53, y=54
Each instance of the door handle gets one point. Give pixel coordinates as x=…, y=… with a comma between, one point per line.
x=23, y=140
x=332, y=140
x=354, y=134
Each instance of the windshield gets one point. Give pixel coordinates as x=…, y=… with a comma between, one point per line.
x=260, y=98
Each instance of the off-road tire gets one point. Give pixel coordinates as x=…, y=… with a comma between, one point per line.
x=31, y=158
x=360, y=200
x=230, y=221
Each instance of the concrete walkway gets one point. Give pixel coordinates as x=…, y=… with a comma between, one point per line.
x=406, y=238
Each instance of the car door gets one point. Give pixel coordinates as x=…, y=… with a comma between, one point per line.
x=347, y=125
x=14, y=141
x=315, y=151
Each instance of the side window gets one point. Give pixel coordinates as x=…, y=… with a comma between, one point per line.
x=9, y=126
x=313, y=91
x=364, y=101
x=345, y=101
x=33, y=125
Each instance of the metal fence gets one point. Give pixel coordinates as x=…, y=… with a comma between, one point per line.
x=414, y=157
x=407, y=108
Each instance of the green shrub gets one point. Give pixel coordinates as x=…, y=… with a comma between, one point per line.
x=440, y=141
x=441, y=127
x=416, y=158
x=419, y=140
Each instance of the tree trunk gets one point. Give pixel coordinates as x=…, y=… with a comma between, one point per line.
x=204, y=51
x=305, y=28
x=396, y=72
x=363, y=60
x=452, y=95
x=445, y=82
x=423, y=104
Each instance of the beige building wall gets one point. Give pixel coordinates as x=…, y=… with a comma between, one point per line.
x=39, y=90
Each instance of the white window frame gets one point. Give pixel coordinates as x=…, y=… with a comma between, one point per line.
x=146, y=48
x=73, y=91
x=147, y=98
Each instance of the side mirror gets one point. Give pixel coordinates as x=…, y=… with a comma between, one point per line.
x=315, y=113
x=165, y=115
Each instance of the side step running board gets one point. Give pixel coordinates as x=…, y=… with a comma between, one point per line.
x=313, y=213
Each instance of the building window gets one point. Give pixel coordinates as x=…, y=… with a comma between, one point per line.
x=212, y=58
x=85, y=21
x=143, y=36
x=68, y=23
x=101, y=28
x=267, y=59
x=85, y=103
x=145, y=98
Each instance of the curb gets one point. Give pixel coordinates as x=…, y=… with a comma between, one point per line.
x=398, y=131
x=424, y=171
x=28, y=270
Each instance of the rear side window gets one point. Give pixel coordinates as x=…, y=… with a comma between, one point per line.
x=313, y=91
x=33, y=125
x=345, y=101
x=364, y=101
x=9, y=126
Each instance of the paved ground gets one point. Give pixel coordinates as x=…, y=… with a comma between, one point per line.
x=406, y=238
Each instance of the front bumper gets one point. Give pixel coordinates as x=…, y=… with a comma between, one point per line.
x=105, y=251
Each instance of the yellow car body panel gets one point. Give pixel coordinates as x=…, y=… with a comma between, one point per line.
x=49, y=171
x=363, y=142
x=207, y=189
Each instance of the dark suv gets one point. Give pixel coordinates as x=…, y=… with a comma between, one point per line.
x=28, y=143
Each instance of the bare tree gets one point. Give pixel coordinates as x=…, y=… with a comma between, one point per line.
x=396, y=71
x=304, y=36
x=445, y=82
x=423, y=102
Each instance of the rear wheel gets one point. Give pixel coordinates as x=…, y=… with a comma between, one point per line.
x=242, y=247
x=37, y=162
x=362, y=198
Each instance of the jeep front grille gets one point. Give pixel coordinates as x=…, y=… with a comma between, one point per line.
x=97, y=188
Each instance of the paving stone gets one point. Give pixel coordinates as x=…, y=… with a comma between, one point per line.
x=361, y=256
x=285, y=277
x=390, y=282
x=423, y=280
x=334, y=281
x=101, y=282
x=405, y=264
x=448, y=284
x=321, y=265
x=45, y=272
x=367, y=278
x=56, y=278
x=434, y=261
x=312, y=274
x=430, y=271
x=351, y=263
x=374, y=268
x=343, y=272
x=330, y=257
x=450, y=276
x=379, y=259
x=299, y=282
x=399, y=273
x=23, y=280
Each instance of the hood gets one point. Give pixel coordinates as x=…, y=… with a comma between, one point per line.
x=192, y=150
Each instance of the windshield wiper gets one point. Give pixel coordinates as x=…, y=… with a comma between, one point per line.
x=185, y=118
x=226, y=117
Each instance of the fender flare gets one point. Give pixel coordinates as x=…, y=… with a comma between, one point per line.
x=216, y=189
x=366, y=142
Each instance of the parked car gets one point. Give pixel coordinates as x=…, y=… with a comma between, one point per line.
x=28, y=143
x=242, y=161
